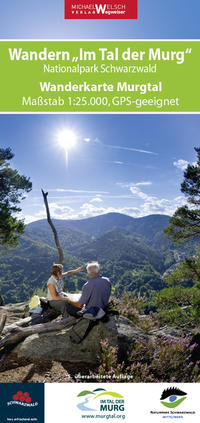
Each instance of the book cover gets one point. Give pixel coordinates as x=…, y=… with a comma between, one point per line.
x=99, y=210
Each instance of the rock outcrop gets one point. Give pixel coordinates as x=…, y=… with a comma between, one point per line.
x=14, y=311
x=58, y=346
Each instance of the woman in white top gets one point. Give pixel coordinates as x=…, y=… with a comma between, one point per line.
x=56, y=295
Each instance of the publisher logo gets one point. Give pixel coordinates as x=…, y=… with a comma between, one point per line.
x=22, y=402
x=101, y=403
x=172, y=397
x=22, y=399
x=100, y=9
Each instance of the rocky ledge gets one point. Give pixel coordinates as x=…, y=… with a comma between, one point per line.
x=58, y=346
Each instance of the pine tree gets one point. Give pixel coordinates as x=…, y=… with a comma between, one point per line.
x=184, y=225
x=12, y=189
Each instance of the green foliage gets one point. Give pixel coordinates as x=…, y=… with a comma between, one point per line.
x=108, y=363
x=40, y=292
x=174, y=306
x=188, y=271
x=185, y=223
x=163, y=360
x=116, y=247
x=174, y=317
x=169, y=298
x=128, y=259
x=117, y=254
x=12, y=188
x=26, y=269
x=129, y=299
x=160, y=360
x=129, y=306
x=69, y=238
x=143, y=279
x=177, y=306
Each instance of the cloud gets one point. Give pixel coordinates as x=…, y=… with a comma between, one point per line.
x=181, y=164
x=89, y=210
x=96, y=200
x=154, y=205
x=88, y=140
x=143, y=183
x=133, y=184
x=118, y=147
x=136, y=191
x=150, y=205
x=57, y=212
x=78, y=191
x=144, y=204
x=27, y=219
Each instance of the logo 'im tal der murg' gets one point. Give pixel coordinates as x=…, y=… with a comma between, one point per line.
x=87, y=402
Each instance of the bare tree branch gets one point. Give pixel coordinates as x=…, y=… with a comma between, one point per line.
x=21, y=333
x=20, y=323
x=30, y=321
x=60, y=251
x=3, y=318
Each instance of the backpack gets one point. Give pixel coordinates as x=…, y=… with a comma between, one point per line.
x=80, y=330
x=34, y=305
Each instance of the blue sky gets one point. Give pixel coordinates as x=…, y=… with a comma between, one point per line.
x=45, y=19
x=131, y=164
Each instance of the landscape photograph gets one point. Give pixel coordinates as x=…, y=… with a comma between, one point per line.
x=122, y=191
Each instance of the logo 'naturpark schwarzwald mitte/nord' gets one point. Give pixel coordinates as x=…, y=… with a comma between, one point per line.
x=100, y=9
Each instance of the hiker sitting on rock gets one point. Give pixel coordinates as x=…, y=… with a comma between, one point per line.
x=57, y=298
x=95, y=294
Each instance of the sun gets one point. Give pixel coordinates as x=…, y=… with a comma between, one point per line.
x=66, y=139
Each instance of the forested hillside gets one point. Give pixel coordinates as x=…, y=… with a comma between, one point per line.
x=133, y=253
